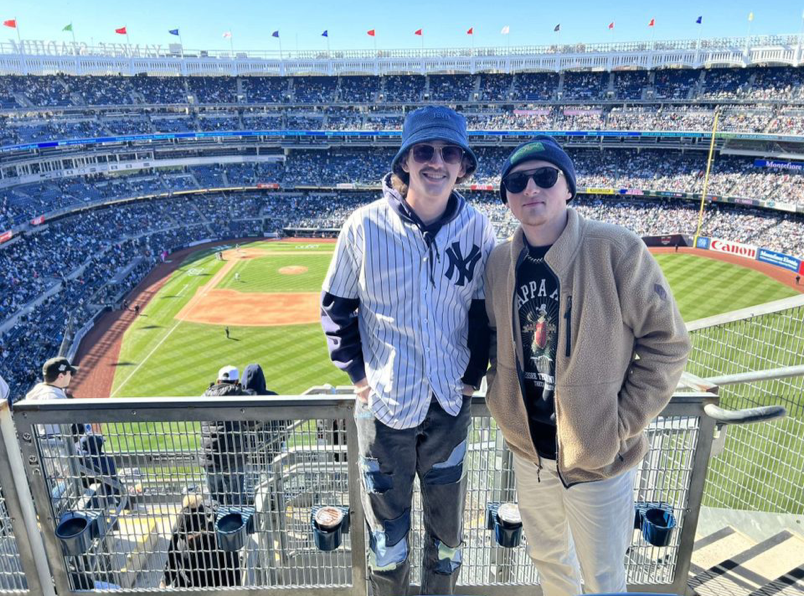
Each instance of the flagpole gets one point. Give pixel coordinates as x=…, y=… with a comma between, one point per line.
x=706, y=180
x=17, y=23
x=280, y=47
x=181, y=43
x=231, y=44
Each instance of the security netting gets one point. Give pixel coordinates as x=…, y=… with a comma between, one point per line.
x=761, y=468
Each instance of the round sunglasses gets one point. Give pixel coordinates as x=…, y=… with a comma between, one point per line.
x=423, y=153
x=545, y=177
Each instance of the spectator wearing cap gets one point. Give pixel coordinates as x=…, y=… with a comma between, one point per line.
x=225, y=451
x=57, y=373
x=411, y=265
x=582, y=301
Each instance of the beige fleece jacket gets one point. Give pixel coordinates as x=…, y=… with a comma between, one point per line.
x=615, y=305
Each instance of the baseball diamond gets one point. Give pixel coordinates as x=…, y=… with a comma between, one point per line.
x=175, y=346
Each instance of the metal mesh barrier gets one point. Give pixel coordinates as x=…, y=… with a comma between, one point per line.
x=144, y=507
x=12, y=576
x=760, y=469
x=161, y=487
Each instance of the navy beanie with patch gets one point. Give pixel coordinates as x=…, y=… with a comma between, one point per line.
x=543, y=148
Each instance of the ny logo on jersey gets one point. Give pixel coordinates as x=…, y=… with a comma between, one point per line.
x=464, y=266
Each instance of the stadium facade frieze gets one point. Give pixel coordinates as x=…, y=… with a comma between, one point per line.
x=42, y=57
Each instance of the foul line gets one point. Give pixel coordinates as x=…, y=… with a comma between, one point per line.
x=155, y=348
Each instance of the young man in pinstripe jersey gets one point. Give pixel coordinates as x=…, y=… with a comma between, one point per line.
x=404, y=314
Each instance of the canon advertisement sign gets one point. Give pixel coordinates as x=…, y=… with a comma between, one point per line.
x=734, y=248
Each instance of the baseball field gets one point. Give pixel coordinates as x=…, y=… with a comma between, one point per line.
x=266, y=294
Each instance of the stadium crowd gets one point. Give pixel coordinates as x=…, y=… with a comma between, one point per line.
x=87, y=254
x=748, y=118
x=641, y=170
x=757, y=84
x=61, y=274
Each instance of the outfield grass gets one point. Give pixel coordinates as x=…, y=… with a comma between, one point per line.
x=705, y=287
x=262, y=274
x=161, y=356
x=164, y=357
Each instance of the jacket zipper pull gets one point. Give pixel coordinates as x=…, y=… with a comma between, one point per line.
x=568, y=325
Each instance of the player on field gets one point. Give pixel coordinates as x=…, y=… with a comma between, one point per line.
x=403, y=311
x=580, y=299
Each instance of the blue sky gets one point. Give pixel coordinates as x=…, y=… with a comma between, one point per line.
x=445, y=22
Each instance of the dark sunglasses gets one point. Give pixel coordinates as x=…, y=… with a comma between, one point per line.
x=543, y=177
x=451, y=154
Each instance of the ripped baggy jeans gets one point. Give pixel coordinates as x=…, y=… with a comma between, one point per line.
x=389, y=460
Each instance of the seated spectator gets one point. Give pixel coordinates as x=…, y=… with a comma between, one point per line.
x=224, y=454
x=100, y=469
x=194, y=558
x=272, y=431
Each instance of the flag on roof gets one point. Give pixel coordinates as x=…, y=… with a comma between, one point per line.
x=652, y=23
x=325, y=34
x=750, y=16
x=227, y=35
x=371, y=32
x=699, y=20
x=11, y=23
x=611, y=25
x=417, y=32
x=471, y=31
x=557, y=27
x=174, y=31
x=505, y=30
x=275, y=34
x=68, y=27
x=121, y=31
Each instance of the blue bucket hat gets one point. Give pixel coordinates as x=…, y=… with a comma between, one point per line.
x=434, y=123
x=546, y=149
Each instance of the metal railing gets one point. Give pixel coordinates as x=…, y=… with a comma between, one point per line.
x=287, y=464
x=50, y=48
x=760, y=468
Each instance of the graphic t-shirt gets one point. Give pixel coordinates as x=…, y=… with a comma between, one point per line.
x=538, y=299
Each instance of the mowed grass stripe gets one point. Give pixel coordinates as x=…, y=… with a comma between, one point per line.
x=705, y=287
x=189, y=360
x=263, y=274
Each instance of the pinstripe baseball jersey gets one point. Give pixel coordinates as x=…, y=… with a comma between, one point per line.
x=413, y=303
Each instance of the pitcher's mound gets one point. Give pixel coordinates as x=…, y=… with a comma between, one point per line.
x=293, y=270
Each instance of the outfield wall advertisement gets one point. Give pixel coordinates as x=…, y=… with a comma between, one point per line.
x=779, y=259
x=749, y=251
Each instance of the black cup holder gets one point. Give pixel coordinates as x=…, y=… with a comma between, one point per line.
x=232, y=526
x=329, y=524
x=506, y=522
